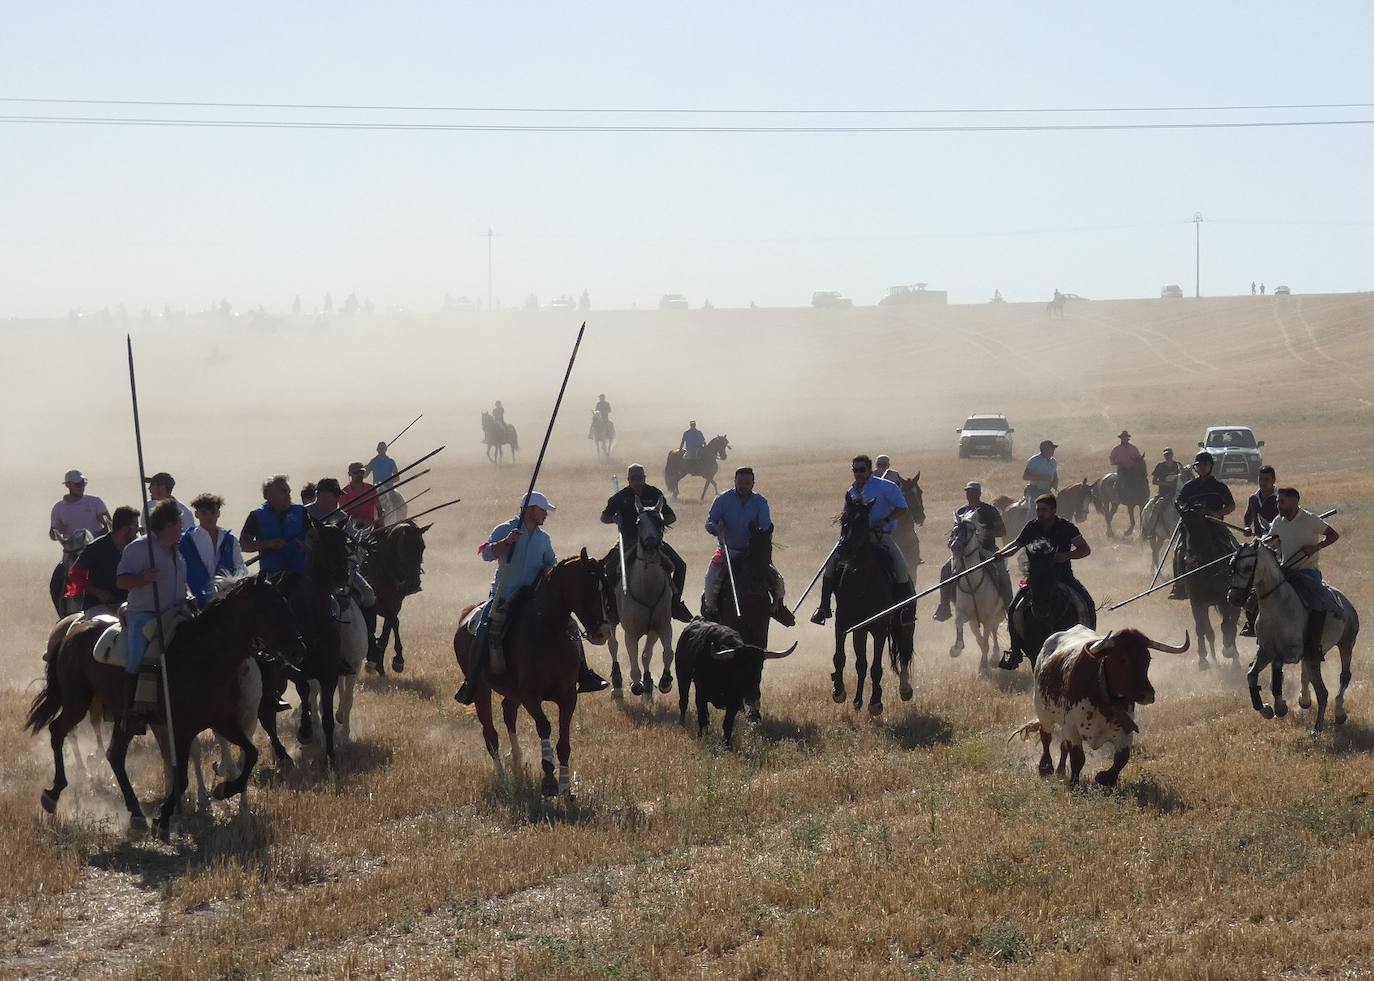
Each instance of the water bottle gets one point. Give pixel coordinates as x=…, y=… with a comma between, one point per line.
x=615, y=483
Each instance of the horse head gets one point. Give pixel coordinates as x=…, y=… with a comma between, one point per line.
x=403, y=554
x=582, y=583
x=254, y=607
x=753, y=566
x=719, y=445
x=1041, y=578
x=915, y=498
x=854, y=527
x=966, y=537
x=73, y=544
x=329, y=549
x=649, y=528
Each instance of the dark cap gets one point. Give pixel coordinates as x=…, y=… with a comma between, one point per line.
x=161, y=477
x=328, y=485
x=1050, y=443
x=356, y=468
x=1202, y=456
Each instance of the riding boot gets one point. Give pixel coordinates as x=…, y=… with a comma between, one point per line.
x=823, y=613
x=942, y=612
x=133, y=723
x=1248, y=630
x=588, y=680
x=1312, y=648
x=680, y=611
x=496, y=636
x=778, y=588
x=1012, y=656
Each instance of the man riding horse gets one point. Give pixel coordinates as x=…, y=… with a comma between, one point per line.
x=76, y=516
x=1301, y=535
x=523, y=550
x=733, y=513
x=622, y=510
x=887, y=505
x=97, y=566
x=1068, y=544
x=1204, y=492
x=991, y=520
x=692, y=442
x=1260, y=511
x=601, y=415
x=1041, y=473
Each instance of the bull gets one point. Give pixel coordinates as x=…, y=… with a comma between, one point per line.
x=1087, y=686
x=727, y=672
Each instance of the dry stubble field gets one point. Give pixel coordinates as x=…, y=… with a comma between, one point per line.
x=919, y=844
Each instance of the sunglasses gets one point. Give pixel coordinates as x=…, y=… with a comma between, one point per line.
x=861, y=470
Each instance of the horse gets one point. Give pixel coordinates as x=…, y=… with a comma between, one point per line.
x=1279, y=629
x=603, y=431
x=64, y=601
x=863, y=588
x=393, y=567
x=496, y=436
x=1207, y=541
x=1129, y=489
x=977, y=596
x=311, y=594
x=753, y=587
x=1056, y=305
x=391, y=507
x=1158, y=519
x=914, y=517
x=1050, y=605
x=705, y=466
x=644, y=605
x=213, y=683
x=543, y=655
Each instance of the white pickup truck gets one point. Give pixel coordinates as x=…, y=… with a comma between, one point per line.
x=1235, y=452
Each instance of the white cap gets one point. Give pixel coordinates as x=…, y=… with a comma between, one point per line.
x=74, y=477
x=538, y=500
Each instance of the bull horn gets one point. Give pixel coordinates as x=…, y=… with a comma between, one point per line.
x=1155, y=645
x=726, y=654
x=768, y=655
x=427, y=527
x=1096, y=646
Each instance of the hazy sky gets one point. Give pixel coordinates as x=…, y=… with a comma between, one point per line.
x=147, y=216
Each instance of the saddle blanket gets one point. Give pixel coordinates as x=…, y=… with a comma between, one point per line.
x=113, y=646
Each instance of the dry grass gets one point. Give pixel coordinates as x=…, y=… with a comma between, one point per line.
x=827, y=844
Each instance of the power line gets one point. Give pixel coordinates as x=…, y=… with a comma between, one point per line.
x=691, y=111
x=660, y=128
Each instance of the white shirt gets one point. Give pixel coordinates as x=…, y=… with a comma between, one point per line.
x=188, y=517
x=1042, y=469
x=84, y=512
x=1304, y=528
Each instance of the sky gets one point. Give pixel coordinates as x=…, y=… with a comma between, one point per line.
x=98, y=216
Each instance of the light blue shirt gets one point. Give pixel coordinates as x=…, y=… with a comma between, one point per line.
x=693, y=439
x=382, y=468
x=532, y=554
x=886, y=497
x=731, y=517
x=1043, y=470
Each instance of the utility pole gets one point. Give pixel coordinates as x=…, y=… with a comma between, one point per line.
x=489, y=269
x=1197, y=254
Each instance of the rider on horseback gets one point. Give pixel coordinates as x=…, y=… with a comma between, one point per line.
x=97, y=566
x=1301, y=535
x=888, y=504
x=1125, y=456
x=1206, y=493
x=991, y=520
x=1165, y=476
x=524, y=551
x=622, y=510
x=602, y=411
x=1260, y=511
x=1068, y=543
x=692, y=442
x=1042, y=471
x=882, y=469
x=732, y=514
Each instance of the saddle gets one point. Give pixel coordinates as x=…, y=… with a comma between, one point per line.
x=1316, y=597
x=513, y=606
x=113, y=646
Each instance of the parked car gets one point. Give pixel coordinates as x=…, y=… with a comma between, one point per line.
x=830, y=299
x=1282, y=291
x=563, y=303
x=985, y=434
x=915, y=293
x=1171, y=292
x=673, y=301
x=1235, y=452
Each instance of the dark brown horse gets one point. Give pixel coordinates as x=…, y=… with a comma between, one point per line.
x=211, y=676
x=394, y=564
x=543, y=654
x=914, y=517
x=752, y=580
x=312, y=601
x=864, y=587
x=704, y=466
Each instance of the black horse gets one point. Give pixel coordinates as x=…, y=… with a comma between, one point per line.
x=705, y=466
x=1204, y=541
x=393, y=567
x=753, y=584
x=312, y=597
x=1047, y=604
x=864, y=587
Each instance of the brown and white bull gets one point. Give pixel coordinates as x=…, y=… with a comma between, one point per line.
x=1087, y=686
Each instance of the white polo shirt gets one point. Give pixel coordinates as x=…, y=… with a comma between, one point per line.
x=1305, y=528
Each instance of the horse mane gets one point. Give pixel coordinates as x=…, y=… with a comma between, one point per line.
x=224, y=583
x=203, y=622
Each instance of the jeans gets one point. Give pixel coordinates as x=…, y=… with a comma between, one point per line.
x=138, y=643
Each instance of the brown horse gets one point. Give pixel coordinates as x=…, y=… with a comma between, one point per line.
x=211, y=676
x=311, y=599
x=915, y=516
x=394, y=564
x=543, y=654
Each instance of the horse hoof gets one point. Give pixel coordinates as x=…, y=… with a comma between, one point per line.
x=1318, y=729
x=1304, y=701
x=1280, y=709
x=858, y=703
x=1105, y=778
x=637, y=688
x=907, y=692
x=138, y=824
x=618, y=693
x=1267, y=711
x=1046, y=769
x=370, y=668
x=548, y=787
x=1339, y=717
x=875, y=709
x=1230, y=653
x=1202, y=664
x=665, y=684
x=49, y=801
x=955, y=651
x=220, y=791
x=838, y=696
x=398, y=664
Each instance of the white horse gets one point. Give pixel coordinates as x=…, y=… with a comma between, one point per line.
x=1159, y=519
x=1279, y=629
x=645, y=605
x=977, y=596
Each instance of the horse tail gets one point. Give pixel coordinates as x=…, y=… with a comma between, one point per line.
x=48, y=702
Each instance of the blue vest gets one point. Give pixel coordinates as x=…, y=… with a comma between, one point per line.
x=198, y=578
x=291, y=527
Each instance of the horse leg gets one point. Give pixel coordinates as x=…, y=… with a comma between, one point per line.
x=548, y=786
x=115, y=754
x=483, y=706
x=617, y=679
x=1206, y=639
x=1252, y=678
x=163, y=823
x=636, y=682
x=67, y=720
x=238, y=784
x=1347, y=648
x=1276, y=687
x=328, y=685
x=566, y=708
x=306, y=732
x=1312, y=671
x=960, y=618
x=647, y=671
x=837, y=676
x=510, y=711
x=202, y=795
x=398, y=660
x=1230, y=620
x=904, y=655
x=860, y=665
x=875, y=701
x=665, y=636
x=345, y=714
x=267, y=718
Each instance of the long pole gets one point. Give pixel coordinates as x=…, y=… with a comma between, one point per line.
x=1163, y=558
x=811, y=585
x=406, y=430
x=152, y=561
x=925, y=592
x=620, y=547
x=437, y=507
x=730, y=573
